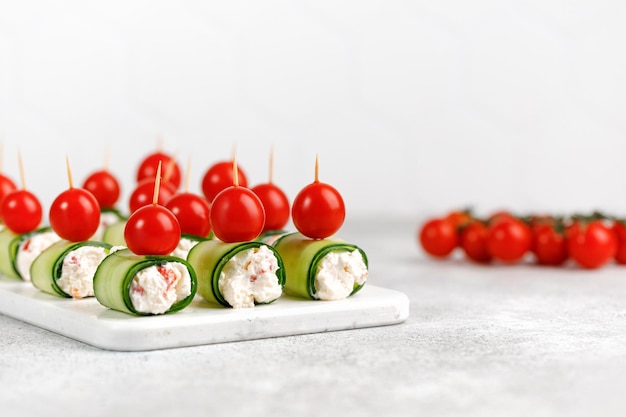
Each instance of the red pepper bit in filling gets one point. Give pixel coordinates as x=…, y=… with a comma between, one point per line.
x=169, y=276
x=26, y=245
x=74, y=260
x=136, y=288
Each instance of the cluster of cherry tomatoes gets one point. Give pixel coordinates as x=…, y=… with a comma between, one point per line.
x=589, y=241
x=160, y=213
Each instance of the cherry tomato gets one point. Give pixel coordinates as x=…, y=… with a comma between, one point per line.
x=6, y=186
x=500, y=215
x=619, y=227
x=21, y=211
x=438, y=237
x=192, y=212
x=591, y=244
x=549, y=245
x=143, y=194
x=509, y=240
x=473, y=241
x=459, y=218
x=276, y=205
x=104, y=186
x=152, y=230
x=170, y=168
x=237, y=215
x=75, y=215
x=219, y=176
x=318, y=210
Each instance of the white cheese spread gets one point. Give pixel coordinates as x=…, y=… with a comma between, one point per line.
x=183, y=248
x=156, y=288
x=78, y=269
x=338, y=273
x=30, y=248
x=249, y=277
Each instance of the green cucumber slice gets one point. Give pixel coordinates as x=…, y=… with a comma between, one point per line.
x=46, y=269
x=208, y=259
x=114, y=276
x=114, y=234
x=302, y=256
x=9, y=242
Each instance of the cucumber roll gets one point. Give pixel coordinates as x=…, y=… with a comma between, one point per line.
x=108, y=217
x=237, y=275
x=322, y=269
x=144, y=285
x=67, y=268
x=18, y=251
x=185, y=244
x=114, y=234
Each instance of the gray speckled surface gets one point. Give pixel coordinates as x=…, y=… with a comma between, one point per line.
x=479, y=341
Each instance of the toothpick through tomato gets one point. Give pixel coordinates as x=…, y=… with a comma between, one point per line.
x=318, y=211
x=275, y=201
x=152, y=229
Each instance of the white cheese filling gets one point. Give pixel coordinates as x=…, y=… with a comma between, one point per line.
x=30, y=248
x=78, y=269
x=249, y=277
x=183, y=248
x=156, y=288
x=338, y=273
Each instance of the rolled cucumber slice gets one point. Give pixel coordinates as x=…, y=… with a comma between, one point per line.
x=9, y=246
x=114, y=276
x=114, y=234
x=47, y=268
x=208, y=259
x=302, y=257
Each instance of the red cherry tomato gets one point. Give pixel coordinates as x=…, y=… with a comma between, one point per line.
x=549, y=245
x=237, y=215
x=6, y=186
x=143, y=194
x=438, y=237
x=220, y=176
x=318, y=210
x=21, y=211
x=104, y=186
x=192, y=212
x=500, y=215
x=276, y=205
x=459, y=218
x=619, y=227
x=591, y=244
x=152, y=230
x=75, y=215
x=473, y=241
x=170, y=168
x=508, y=240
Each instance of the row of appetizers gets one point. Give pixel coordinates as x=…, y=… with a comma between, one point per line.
x=155, y=260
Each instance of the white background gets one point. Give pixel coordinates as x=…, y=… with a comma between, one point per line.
x=414, y=107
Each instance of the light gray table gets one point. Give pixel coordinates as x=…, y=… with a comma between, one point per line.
x=480, y=341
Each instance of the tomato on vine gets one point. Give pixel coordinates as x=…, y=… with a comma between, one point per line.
x=318, y=211
x=549, y=243
x=152, y=229
x=237, y=213
x=220, y=176
x=438, y=237
x=509, y=239
x=104, y=186
x=591, y=244
x=619, y=228
x=473, y=241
